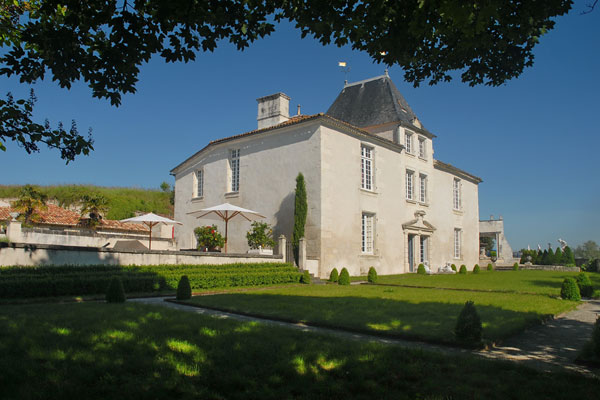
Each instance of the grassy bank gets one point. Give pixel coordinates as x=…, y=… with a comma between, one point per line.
x=100, y=351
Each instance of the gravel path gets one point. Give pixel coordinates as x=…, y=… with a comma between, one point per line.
x=549, y=347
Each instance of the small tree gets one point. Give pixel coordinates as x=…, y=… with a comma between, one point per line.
x=453, y=267
x=333, y=275
x=421, y=270
x=476, y=269
x=490, y=267
x=569, y=290
x=344, y=277
x=115, y=292
x=468, y=326
x=93, y=206
x=585, y=284
x=209, y=237
x=184, y=290
x=515, y=266
x=550, y=257
x=372, y=275
x=165, y=187
x=545, y=258
x=300, y=212
x=558, y=257
x=463, y=269
x=29, y=203
x=260, y=235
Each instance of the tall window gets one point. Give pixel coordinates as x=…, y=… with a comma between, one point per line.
x=457, y=238
x=366, y=166
x=199, y=189
x=422, y=150
x=456, y=195
x=234, y=165
x=423, y=188
x=367, y=233
x=408, y=139
x=423, y=249
x=409, y=185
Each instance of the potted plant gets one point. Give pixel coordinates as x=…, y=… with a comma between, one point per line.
x=209, y=238
x=260, y=238
x=493, y=255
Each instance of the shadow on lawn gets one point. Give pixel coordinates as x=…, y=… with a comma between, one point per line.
x=429, y=321
x=100, y=351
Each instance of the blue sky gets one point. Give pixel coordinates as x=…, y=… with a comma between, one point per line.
x=535, y=141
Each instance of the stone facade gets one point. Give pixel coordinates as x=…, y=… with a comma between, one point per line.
x=360, y=213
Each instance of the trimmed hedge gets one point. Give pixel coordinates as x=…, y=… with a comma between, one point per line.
x=344, y=277
x=463, y=269
x=476, y=269
x=372, y=276
x=569, y=290
x=490, y=267
x=18, y=282
x=334, y=276
x=421, y=269
x=585, y=284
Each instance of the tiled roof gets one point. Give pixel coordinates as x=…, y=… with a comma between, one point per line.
x=293, y=121
x=58, y=216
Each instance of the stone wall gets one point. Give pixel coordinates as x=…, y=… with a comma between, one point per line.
x=41, y=254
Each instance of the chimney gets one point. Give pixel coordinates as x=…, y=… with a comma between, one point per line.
x=273, y=110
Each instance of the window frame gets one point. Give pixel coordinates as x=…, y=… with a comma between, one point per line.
x=367, y=233
x=457, y=243
x=423, y=188
x=422, y=147
x=367, y=170
x=198, y=190
x=409, y=187
x=456, y=194
x=408, y=141
x=234, y=169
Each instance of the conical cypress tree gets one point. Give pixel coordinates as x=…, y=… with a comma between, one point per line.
x=558, y=257
x=540, y=258
x=568, y=256
x=550, y=257
x=545, y=258
x=300, y=211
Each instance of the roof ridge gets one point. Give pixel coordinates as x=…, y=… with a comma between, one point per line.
x=365, y=81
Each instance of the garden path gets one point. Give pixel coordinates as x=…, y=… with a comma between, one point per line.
x=549, y=347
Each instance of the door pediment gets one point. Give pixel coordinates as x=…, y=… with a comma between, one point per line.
x=419, y=224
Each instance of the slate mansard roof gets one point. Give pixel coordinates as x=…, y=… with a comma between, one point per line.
x=371, y=102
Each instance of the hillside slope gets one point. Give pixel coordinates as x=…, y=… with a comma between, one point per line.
x=122, y=202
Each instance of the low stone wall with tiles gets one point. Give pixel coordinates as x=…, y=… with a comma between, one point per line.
x=542, y=268
x=33, y=255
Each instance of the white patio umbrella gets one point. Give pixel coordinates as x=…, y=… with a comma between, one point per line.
x=151, y=220
x=226, y=212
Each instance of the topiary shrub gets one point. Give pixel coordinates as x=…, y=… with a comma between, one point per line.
x=184, y=290
x=453, y=267
x=468, y=326
x=490, y=267
x=569, y=290
x=344, y=277
x=115, y=292
x=586, y=289
x=305, y=278
x=421, y=269
x=333, y=275
x=596, y=338
x=372, y=276
x=516, y=266
x=463, y=269
x=476, y=269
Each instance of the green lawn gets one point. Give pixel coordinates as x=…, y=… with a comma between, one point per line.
x=132, y=351
x=424, y=314
x=539, y=282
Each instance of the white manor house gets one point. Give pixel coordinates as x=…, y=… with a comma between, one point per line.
x=376, y=195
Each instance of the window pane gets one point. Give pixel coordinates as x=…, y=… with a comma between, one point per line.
x=367, y=233
x=234, y=162
x=422, y=188
x=409, y=185
x=200, y=183
x=366, y=168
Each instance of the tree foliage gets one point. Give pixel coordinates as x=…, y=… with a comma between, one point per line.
x=94, y=206
x=30, y=201
x=588, y=250
x=300, y=212
x=16, y=124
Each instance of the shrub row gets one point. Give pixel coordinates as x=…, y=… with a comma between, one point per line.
x=66, y=281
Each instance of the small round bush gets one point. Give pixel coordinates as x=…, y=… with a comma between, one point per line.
x=453, y=267
x=516, y=266
x=463, y=269
x=421, y=270
x=596, y=338
x=569, y=290
x=372, y=276
x=344, y=277
x=305, y=277
x=333, y=275
x=476, y=269
x=585, y=285
x=184, y=290
x=468, y=326
x=490, y=267
x=115, y=292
